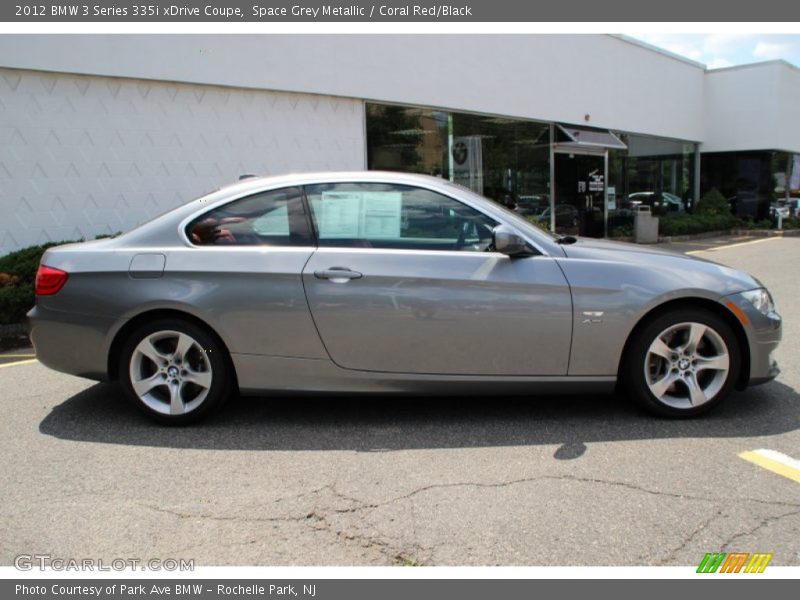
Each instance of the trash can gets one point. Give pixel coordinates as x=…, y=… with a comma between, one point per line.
x=645, y=225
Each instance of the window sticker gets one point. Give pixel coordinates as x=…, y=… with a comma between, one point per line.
x=340, y=215
x=381, y=215
x=361, y=215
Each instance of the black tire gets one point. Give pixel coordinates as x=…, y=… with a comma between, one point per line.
x=643, y=371
x=205, y=360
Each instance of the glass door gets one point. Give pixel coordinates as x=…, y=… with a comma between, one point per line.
x=580, y=194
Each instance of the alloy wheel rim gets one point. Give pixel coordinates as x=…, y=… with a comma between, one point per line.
x=170, y=372
x=687, y=365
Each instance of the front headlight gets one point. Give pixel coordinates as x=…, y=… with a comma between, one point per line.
x=761, y=299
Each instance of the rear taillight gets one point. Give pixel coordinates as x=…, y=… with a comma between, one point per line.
x=49, y=280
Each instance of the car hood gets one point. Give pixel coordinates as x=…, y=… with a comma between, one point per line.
x=599, y=246
x=696, y=272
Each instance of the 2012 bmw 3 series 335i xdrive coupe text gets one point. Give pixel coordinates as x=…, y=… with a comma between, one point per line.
x=391, y=283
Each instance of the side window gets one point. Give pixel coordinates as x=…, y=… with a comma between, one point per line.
x=377, y=215
x=274, y=218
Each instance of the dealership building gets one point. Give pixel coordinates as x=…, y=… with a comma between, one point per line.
x=101, y=132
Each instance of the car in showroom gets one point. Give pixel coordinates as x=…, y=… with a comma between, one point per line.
x=779, y=209
x=391, y=283
x=566, y=216
x=663, y=202
x=530, y=205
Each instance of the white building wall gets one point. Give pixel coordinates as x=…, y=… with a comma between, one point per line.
x=99, y=132
x=81, y=156
x=753, y=107
x=620, y=84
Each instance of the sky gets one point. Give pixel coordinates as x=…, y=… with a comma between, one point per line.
x=721, y=50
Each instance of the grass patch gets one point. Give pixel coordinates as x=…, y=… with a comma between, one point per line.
x=404, y=560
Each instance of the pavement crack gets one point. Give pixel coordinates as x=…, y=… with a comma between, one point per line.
x=201, y=516
x=319, y=521
x=621, y=484
x=760, y=525
x=319, y=518
x=690, y=538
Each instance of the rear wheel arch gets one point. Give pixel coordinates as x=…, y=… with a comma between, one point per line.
x=693, y=303
x=136, y=322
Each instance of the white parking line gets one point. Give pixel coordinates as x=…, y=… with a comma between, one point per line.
x=777, y=462
x=736, y=245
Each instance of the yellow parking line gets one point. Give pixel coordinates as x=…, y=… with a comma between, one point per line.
x=17, y=356
x=736, y=245
x=774, y=461
x=19, y=362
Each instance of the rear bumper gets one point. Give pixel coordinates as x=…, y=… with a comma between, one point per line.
x=71, y=343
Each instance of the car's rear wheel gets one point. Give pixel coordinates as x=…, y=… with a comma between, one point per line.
x=175, y=371
x=682, y=363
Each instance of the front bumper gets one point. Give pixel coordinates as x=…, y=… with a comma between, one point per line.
x=764, y=332
x=774, y=371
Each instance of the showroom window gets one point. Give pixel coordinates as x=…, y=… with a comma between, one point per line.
x=755, y=183
x=388, y=216
x=656, y=172
x=504, y=159
x=509, y=161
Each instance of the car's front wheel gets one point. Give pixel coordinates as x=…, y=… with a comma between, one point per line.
x=682, y=363
x=175, y=371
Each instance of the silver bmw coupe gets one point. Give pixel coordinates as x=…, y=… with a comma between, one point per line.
x=391, y=283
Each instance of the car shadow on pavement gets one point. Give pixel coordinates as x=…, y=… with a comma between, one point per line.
x=374, y=424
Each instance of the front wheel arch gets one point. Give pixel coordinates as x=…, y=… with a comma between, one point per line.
x=689, y=303
x=151, y=315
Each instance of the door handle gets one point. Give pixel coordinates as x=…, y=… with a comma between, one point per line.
x=338, y=274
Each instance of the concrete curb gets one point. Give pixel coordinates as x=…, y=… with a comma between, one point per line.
x=748, y=232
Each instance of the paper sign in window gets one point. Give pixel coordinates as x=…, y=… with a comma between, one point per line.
x=381, y=215
x=340, y=215
x=360, y=215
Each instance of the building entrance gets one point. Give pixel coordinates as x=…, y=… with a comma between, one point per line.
x=580, y=193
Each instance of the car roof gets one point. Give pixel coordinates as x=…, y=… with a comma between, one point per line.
x=305, y=178
x=166, y=227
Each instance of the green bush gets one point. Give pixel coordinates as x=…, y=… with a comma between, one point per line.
x=712, y=213
x=15, y=302
x=791, y=223
x=622, y=231
x=762, y=224
x=690, y=224
x=19, y=275
x=541, y=224
x=713, y=203
x=23, y=263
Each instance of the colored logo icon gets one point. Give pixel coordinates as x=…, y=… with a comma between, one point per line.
x=735, y=562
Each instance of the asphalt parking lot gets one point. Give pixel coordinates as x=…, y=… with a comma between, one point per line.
x=337, y=481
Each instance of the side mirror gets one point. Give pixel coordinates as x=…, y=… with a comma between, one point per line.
x=508, y=242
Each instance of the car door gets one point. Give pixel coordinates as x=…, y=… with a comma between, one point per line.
x=243, y=273
x=404, y=281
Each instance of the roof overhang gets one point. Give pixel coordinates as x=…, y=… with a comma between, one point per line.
x=589, y=138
